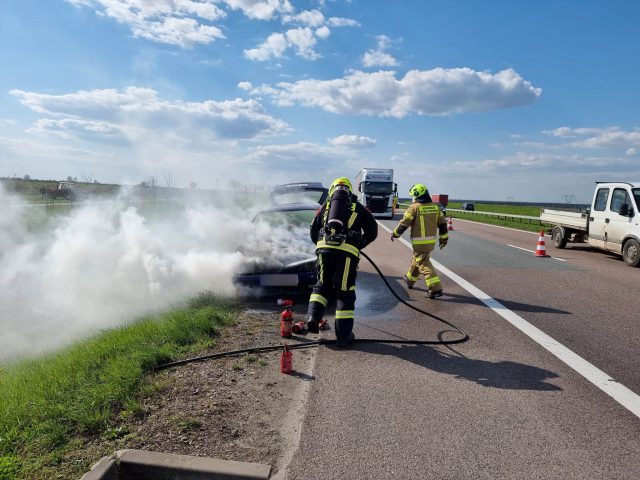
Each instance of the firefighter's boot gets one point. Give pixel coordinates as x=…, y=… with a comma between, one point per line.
x=408, y=282
x=344, y=334
x=313, y=325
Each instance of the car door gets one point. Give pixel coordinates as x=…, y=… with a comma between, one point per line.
x=598, y=217
x=618, y=225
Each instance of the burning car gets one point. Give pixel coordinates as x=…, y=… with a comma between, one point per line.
x=281, y=255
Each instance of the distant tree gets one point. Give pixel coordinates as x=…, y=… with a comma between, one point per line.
x=168, y=180
x=193, y=186
x=86, y=177
x=96, y=181
x=27, y=177
x=235, y=184
x=152, y=181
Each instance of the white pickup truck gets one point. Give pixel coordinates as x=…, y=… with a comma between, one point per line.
x=611, y=223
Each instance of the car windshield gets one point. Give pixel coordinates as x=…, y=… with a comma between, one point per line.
x=377, y=187
x=636, y=196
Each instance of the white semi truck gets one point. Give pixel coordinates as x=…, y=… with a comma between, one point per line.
x=612, y=222
x=376, y=191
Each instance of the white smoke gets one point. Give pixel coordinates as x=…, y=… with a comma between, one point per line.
x=104, y=264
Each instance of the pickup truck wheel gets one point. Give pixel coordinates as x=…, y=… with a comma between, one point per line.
x=558, y=237
x=631, y=253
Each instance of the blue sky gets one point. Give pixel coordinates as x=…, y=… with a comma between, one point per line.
x=479, y=99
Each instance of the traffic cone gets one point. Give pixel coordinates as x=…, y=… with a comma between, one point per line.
x=450, y=224
x=541, y=251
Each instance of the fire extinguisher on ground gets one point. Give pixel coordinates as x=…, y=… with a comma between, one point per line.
x=286, y=360
x=286, y=322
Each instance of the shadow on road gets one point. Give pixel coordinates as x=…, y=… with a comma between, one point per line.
x=516, y=306
x=503, y=374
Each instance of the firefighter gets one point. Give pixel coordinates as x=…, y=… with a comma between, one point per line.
x=341, y=228
x=428, y=225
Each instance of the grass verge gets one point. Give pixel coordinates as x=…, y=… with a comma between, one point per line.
x=501, y=217
x=48, y=403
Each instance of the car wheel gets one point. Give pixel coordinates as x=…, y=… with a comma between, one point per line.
x=558, y=237
x=631, y=253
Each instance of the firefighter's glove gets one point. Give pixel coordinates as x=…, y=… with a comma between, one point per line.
x=443, y=242
x=393, y=237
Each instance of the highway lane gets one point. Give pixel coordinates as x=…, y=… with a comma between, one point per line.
x=499, y=406
x=588, y=302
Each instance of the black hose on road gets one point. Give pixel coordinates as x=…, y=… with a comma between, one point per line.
x=316, y=343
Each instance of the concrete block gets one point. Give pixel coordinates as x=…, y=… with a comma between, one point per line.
x=105, y=469
x=145, y=465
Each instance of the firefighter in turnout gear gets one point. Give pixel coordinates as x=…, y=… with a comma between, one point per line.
x=428, y=226
x=340, y=229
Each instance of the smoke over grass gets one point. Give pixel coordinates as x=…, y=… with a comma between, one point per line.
x=101, y=265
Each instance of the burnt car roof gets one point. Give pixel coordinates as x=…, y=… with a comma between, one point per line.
x=299, y=187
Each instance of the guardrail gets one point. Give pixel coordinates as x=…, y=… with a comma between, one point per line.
x=501, y=216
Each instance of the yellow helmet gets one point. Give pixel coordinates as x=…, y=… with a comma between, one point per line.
x=340, y=181
x=418, y=190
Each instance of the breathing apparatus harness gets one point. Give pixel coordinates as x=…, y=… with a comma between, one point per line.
x=337, y=218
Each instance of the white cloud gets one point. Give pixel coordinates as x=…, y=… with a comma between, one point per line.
x=611, y=137
x=306, y=160
x=323, y=32
x=355, y=141
x=342, y=22
x=136, y=112
x=69, y=127
x=274, y=46
x=175, y=22
x=261, y=9
x=431, y=92
x=631, y=151
x=309, y=18
x=302, y=40
x=379, y=57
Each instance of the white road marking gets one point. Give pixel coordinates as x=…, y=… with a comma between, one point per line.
x=621, y=394
x=533, y=251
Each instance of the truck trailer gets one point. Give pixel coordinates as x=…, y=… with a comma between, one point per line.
x=612, y=223
x=376, y=191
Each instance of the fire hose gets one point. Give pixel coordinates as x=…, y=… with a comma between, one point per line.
x=316, y=343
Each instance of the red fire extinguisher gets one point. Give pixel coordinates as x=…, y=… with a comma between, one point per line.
x=286, y=322
x=286, y=360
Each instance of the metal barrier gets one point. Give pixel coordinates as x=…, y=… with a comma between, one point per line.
x=501, y=216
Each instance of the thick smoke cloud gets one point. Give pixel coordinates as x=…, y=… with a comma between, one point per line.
x=104, y=264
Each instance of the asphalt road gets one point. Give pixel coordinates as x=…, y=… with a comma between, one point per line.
x=502, y=405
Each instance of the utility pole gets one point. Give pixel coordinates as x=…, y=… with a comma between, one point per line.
x=568, y=197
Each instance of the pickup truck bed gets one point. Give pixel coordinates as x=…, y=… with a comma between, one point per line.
x=569, y=219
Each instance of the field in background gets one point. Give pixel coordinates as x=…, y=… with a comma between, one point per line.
x=28, y=192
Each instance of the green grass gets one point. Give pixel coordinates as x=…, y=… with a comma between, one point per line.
x=46, y=403
x=502, y=216
x=530, y=211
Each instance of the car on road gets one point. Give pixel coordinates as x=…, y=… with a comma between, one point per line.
x=468, y=206
x=281, y=255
